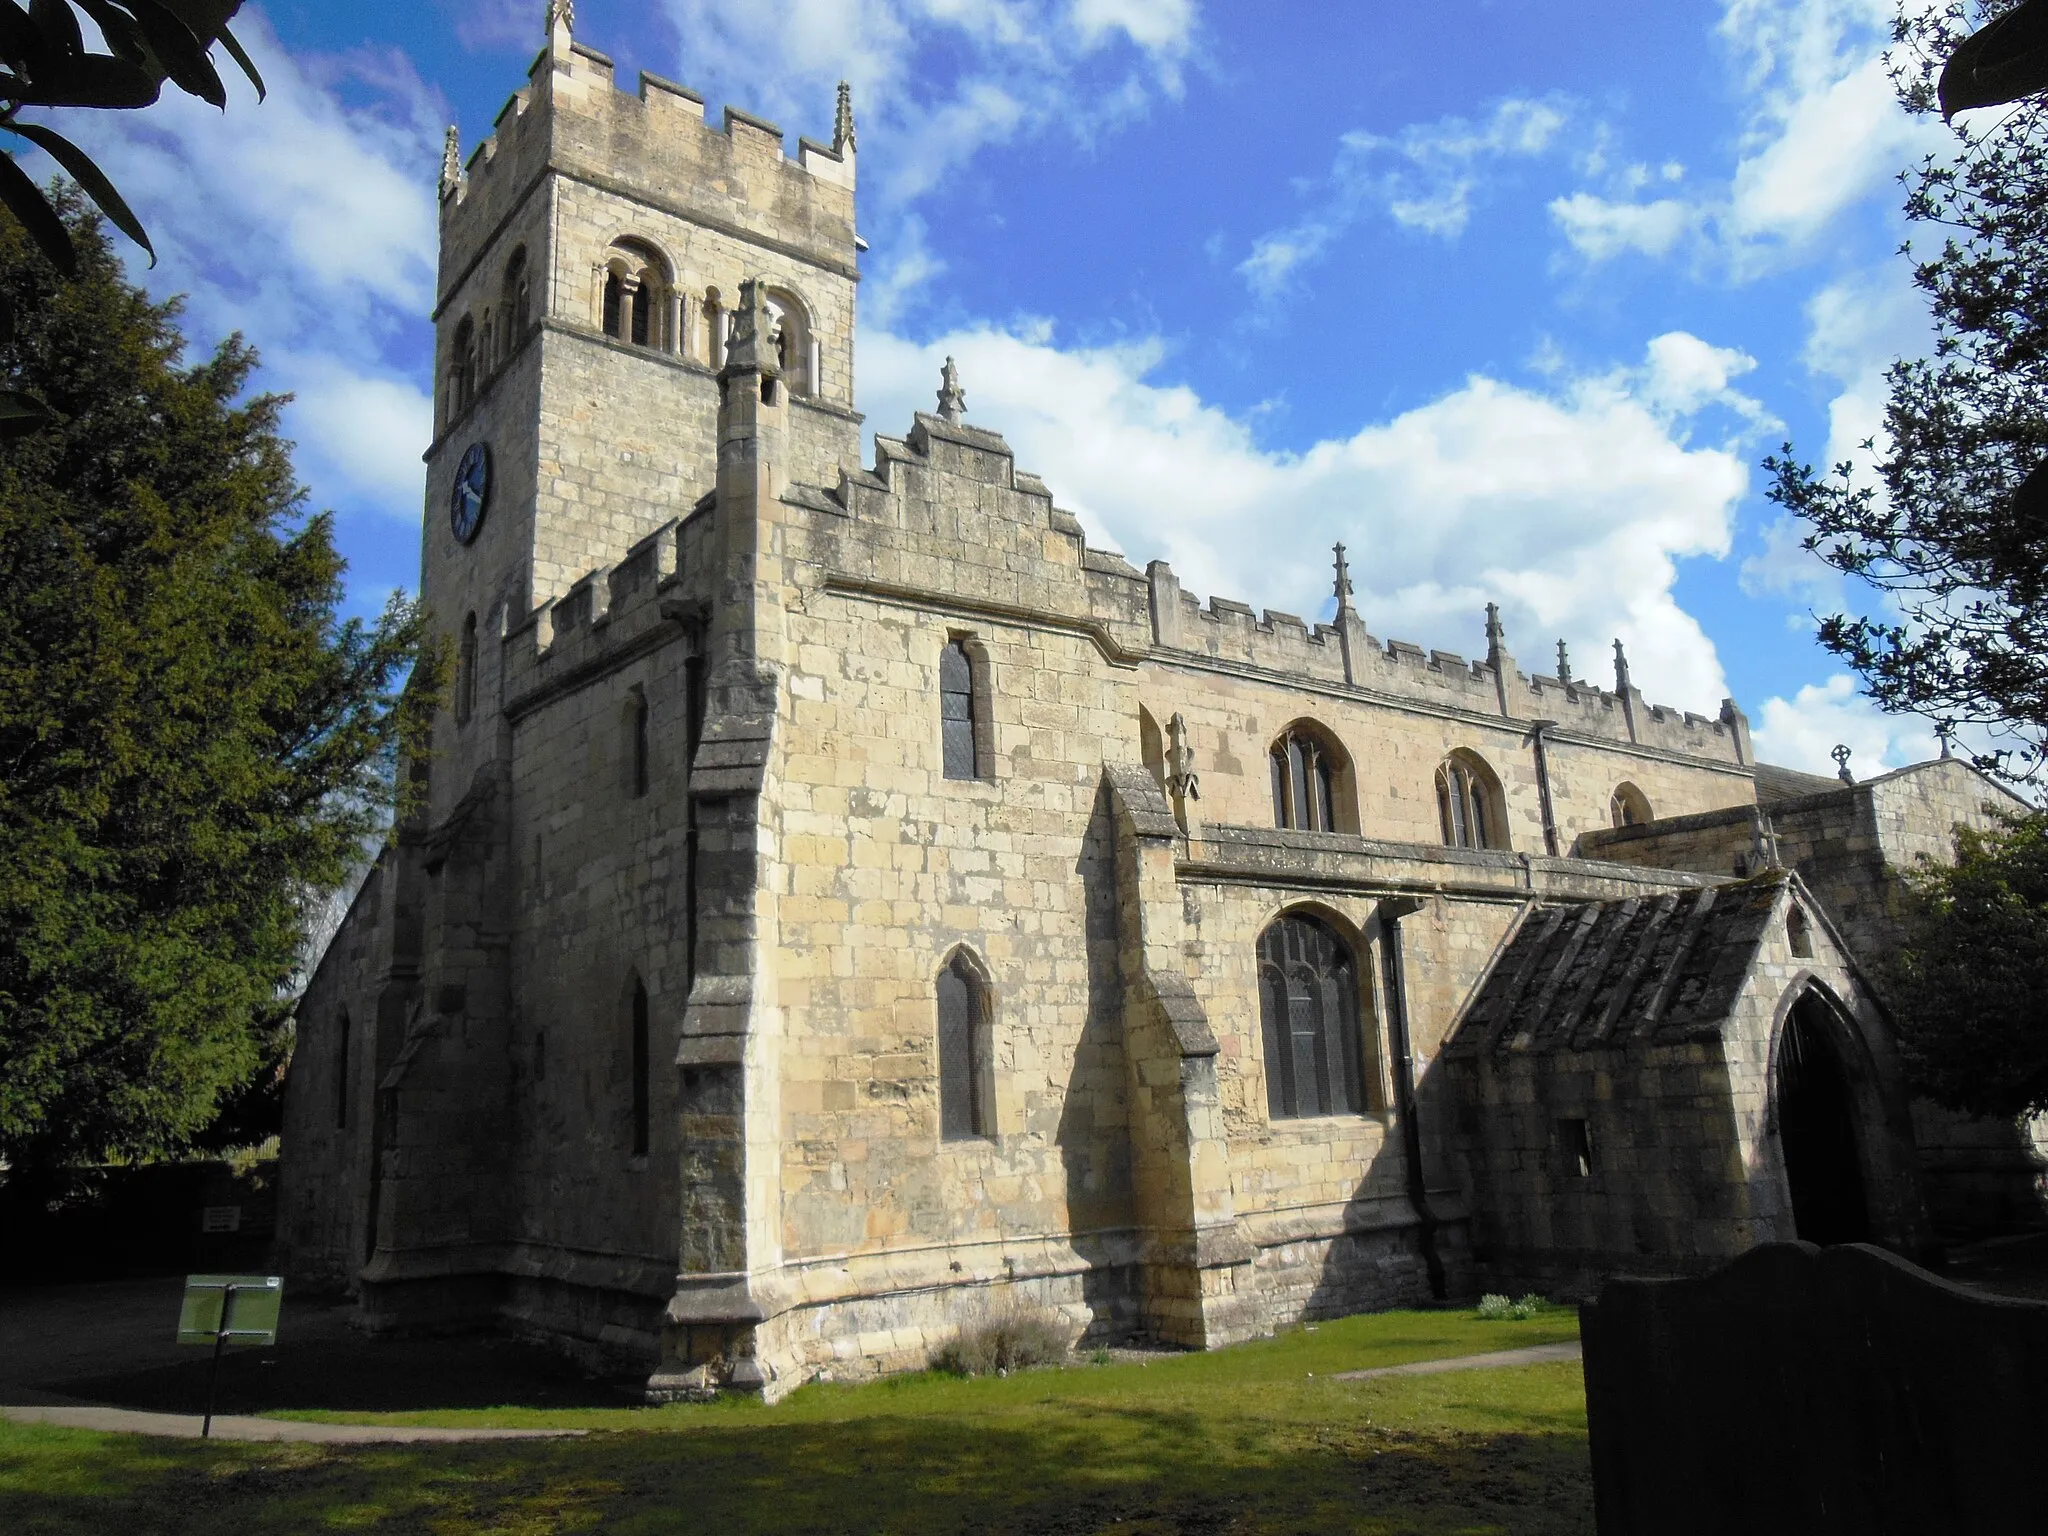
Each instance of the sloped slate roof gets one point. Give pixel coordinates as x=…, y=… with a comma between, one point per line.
x=1775, y=785
x=1651, y=969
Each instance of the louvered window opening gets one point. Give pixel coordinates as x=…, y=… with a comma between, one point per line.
x=1309, y=1016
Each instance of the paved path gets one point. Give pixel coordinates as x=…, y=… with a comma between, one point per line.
x=1535, y=1354
x=131, y=1421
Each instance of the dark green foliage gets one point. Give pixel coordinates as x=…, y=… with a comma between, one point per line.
x=192, y=746
x=1953, y=533
x=1970, y=982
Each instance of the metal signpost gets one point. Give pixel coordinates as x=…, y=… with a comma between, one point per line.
x=228, y=1309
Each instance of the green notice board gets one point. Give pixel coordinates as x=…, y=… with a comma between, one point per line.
x=252, y=1319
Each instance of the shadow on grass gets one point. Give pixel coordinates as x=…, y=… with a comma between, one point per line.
x=1094, y=1469
x=357, y=1375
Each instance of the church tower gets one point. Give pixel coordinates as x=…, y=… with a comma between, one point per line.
x=593, y=250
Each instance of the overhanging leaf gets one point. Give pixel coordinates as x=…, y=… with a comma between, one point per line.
x=182, y=55
x=91, y=81
x=54, y=20
x=90, y=177
x=25, y=200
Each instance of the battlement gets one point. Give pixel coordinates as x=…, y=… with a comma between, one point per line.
x=1344, y=653
x=609, y=612
x=655, y=146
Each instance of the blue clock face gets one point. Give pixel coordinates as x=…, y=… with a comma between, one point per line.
x=472, y=492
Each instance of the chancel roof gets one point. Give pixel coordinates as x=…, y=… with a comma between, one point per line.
x=1651, y=970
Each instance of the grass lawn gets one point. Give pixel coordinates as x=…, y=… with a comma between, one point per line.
x=1241, y=1440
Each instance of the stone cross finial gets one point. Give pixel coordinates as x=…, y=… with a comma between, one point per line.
x=1621, y=683
x=842, y=122
x=1564, y=665
x=1343, y=581
x=451, y=160
x=1841, y=755
x=952, y=399
x=1946, y=732
x=564, y=12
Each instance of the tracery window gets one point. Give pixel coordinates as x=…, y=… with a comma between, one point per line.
x=1469, y=803
x=1629, y=807
x=964, y=1052
x=1305, y=769
x=1310, y=1019
x=962, y=701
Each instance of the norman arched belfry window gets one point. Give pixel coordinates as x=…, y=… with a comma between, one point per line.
x=1305, y=767
x=1469, y=803
x=1309, y=1017
x=965, y=1085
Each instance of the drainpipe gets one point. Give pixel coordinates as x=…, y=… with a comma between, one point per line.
x=1543, y=786
x=1392, y=909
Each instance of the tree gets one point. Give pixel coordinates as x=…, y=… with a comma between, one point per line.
x=1953, y=529
x=193, y=745
x=1968, y=981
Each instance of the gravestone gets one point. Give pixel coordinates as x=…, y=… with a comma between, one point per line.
x=1810, y=1390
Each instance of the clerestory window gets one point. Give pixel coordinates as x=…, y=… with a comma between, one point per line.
x=1305, y=769
x=1469, y=803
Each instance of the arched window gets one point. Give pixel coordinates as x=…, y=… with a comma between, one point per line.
x=1628, y=807
x=635, y=733
x=512, y=306
x=1305, y=769
x=614, y=304
x=638, y=1026
x=1309, y=1016
x=462, y=368
x=341, y=1072
x=963, y=709
x=1469, y=803
x=465, y=672
x=637, y=295
x=789, y=323
x=964, y=1077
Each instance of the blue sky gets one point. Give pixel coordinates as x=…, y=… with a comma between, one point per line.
x=1510, y=297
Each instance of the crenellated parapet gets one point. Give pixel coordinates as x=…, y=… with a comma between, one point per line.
x=611, y=614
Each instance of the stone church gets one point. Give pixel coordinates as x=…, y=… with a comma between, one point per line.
x=844, y=902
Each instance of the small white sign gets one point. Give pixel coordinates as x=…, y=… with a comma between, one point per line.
x=220, y=1218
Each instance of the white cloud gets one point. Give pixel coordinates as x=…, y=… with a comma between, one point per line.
x=310, y=227
x=936, y=80
x=1425, y=178
x=1821, y=131
x=1571, y=506
x=1599, y=229
x=1856, y=327
x=1802, y=731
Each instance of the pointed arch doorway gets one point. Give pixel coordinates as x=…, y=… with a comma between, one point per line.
x=1817, y=1129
